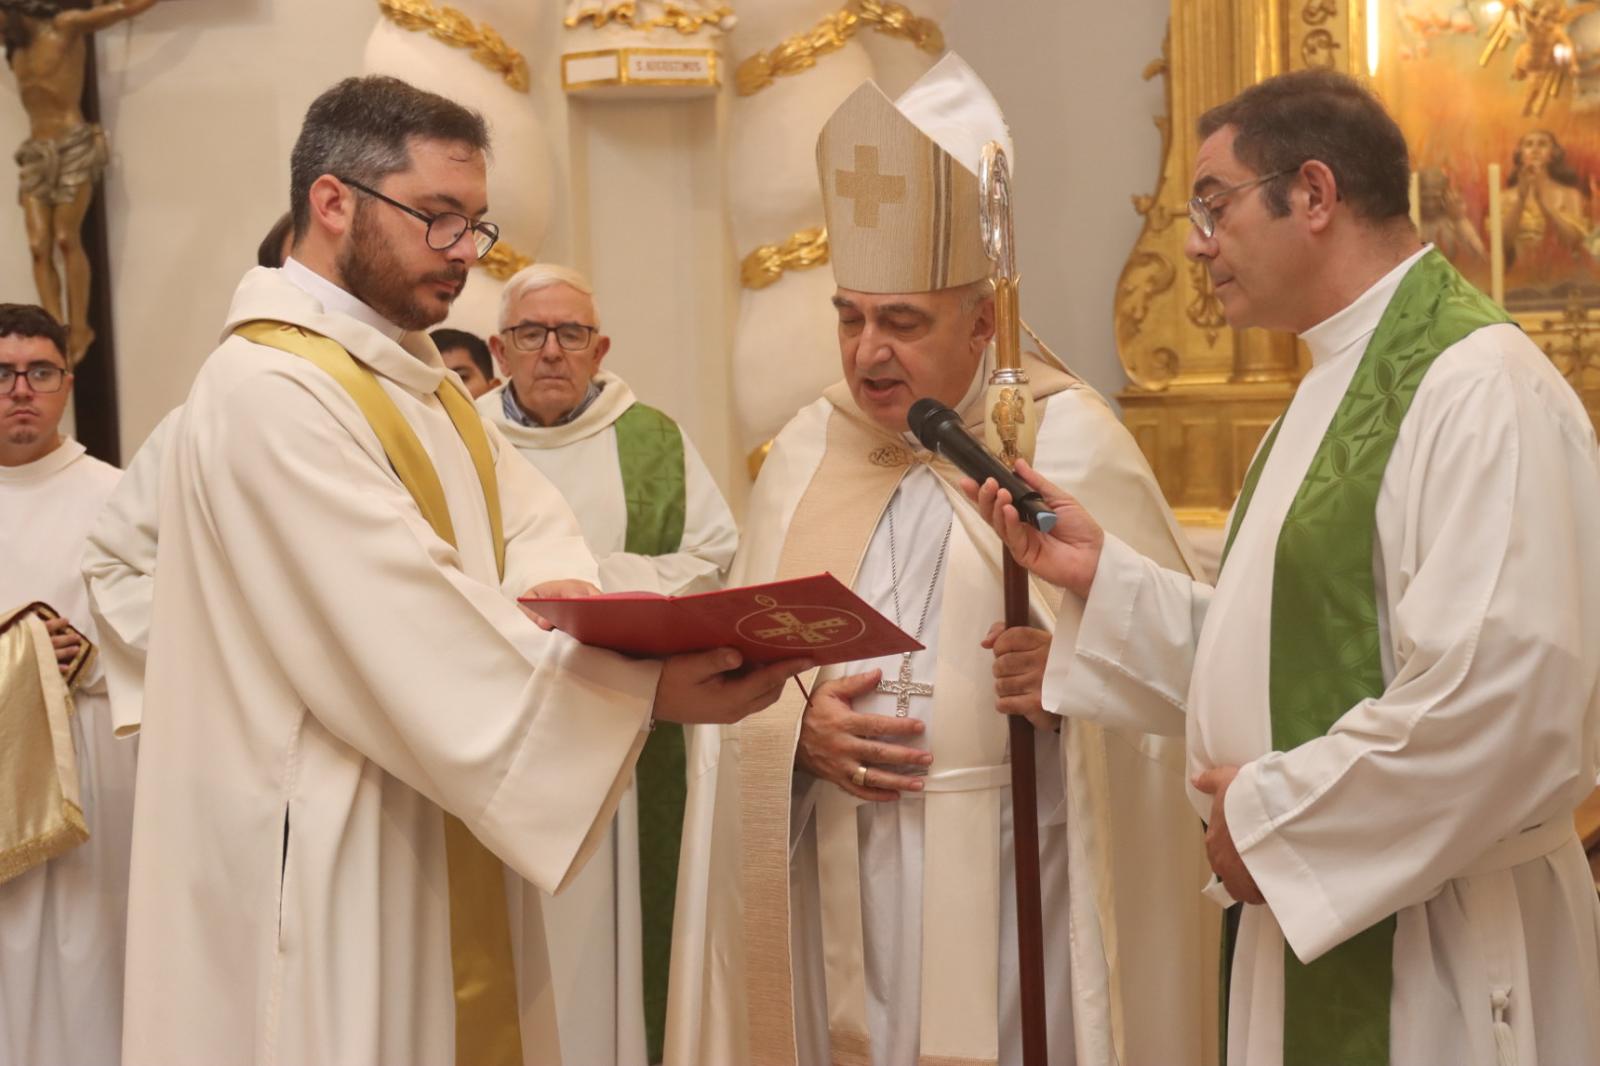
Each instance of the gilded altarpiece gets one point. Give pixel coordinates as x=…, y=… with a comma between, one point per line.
x=1202, y=395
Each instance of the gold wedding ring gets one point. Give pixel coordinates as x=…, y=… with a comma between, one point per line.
x=859, y=778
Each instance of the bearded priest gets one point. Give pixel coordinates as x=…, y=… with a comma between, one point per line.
x=360, y=747
x=847, y=890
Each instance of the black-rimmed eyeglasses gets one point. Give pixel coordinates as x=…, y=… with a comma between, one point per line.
x=1202, y=218
x=530, y=336
x=444, y=229
x=42, y=377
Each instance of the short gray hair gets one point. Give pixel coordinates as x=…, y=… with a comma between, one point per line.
x=362, y=129
x=543, y=276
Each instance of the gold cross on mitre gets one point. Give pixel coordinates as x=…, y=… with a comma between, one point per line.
x=867, y=188
x=901, y=211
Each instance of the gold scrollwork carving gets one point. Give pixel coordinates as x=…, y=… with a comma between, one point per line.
x=454, y=28
x=1320, y=50
x=503, y=261
x=800, y=53
x=674, y=16
x=1319, y=12
x=803, y=250
x=1205, y=310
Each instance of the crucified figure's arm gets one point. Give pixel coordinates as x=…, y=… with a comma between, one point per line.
x=108, y=13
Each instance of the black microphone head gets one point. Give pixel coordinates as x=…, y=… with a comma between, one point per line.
x=924, y=418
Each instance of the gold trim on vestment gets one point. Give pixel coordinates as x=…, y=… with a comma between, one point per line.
x=758, y=458
x=488, y=1024
x=455, y=29
x=800, y=52
x=803, y=250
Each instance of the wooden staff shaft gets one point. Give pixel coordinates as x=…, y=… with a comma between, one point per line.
x=1025, y=846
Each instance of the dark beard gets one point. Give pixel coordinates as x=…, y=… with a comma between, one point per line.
x=373, y=274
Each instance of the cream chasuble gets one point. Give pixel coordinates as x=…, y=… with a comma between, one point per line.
x=594, y=927
x=119, y=565
x=1448, y=800
x=325, y=673
x=61, y=924
x=887, y=965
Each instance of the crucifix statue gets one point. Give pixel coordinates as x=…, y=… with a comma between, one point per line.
x=46, y=45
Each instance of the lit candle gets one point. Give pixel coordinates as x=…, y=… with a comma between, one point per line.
x=1497, y=240
x=1416, y=202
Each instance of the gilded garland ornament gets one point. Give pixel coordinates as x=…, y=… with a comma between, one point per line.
x=687, y=19
x=803, y=250
x=454, y=28
x=800, y=53
x=503, y=261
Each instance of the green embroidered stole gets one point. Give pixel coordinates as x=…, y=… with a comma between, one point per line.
x=650, y=452
x=1325, y=656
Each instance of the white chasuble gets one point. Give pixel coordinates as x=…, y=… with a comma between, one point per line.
x=326, y=676
x=594, y=926
x=1448, y=800
x=61, y=923
x=885, y=960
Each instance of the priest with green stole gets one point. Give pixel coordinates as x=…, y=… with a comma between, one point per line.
x=361, y=756
x=656, y=522
x=846, y=892
x=1392, y=695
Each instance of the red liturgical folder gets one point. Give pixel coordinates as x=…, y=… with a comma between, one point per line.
x=816, y=617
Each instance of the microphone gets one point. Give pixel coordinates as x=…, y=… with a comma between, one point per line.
x=940, y=430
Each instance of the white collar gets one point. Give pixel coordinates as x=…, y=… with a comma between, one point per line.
x=1353, y=324
x=336, y=301
x=52, y=462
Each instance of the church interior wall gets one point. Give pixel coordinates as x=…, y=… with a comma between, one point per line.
x=203, y=101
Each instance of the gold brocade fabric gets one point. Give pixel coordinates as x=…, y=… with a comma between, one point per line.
x=40, y=813
x=488, y=1026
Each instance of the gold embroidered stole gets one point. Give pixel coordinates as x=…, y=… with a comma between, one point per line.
x=488, y=1027
x=41, y=814
x=862, y=466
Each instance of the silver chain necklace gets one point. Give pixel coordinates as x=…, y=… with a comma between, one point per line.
x=903, y=688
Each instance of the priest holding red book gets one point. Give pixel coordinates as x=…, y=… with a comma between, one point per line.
x=845, y=893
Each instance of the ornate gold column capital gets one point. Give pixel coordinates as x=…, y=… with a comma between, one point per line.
x=803, y=250
x=503, y=261
x=455, y=29
x=674, y=16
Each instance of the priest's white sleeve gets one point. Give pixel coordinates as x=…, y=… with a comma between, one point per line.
x=528, y=737
x=710, y=539
x=119, y=565
x=1487, y=728
x=1131, y=663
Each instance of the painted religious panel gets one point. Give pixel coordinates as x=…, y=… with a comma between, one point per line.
x=1500, y=102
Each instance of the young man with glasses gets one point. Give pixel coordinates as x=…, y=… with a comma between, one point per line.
x=655, y=520
x=1392, y=695
x=359, y=750
x=61, y=921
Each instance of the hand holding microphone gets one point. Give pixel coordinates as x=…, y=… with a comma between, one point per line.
x=940, y=430
x=1047, y=531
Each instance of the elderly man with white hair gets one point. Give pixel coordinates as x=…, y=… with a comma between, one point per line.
x=655, y=520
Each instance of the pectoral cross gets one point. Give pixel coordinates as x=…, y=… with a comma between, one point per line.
x=903, y=688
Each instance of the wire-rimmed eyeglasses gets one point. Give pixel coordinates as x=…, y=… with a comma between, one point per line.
x=1200, y=214
x=445, y=228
